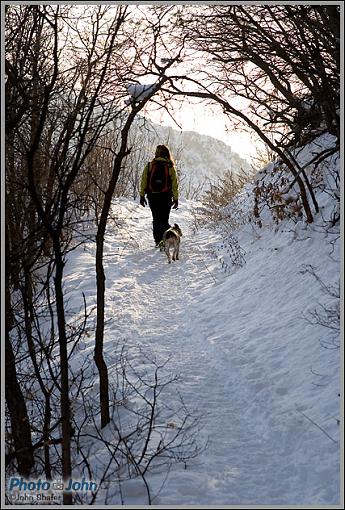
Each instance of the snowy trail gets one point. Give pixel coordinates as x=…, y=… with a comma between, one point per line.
x=159, y=304
x=233, y=362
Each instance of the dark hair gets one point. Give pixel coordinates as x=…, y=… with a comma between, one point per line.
x=162, y=151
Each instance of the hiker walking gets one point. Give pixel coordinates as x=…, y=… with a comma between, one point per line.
x=159, y=183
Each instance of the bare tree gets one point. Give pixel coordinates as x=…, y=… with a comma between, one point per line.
x=281, y=60
x=63, y=118
x=153, y=40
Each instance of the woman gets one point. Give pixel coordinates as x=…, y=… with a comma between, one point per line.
x=159, y=183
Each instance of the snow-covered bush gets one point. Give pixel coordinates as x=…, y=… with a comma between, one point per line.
x=219, y=204
x=222, y=209
x=276, y=189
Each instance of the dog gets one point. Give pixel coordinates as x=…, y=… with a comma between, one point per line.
x=171, y=239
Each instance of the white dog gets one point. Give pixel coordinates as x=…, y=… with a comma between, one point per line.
x=171, y=239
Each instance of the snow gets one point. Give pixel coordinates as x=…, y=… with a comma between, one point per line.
x=263, y=379
x=138, y=92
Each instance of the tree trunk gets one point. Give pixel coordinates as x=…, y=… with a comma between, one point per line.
x=20, y=425
x=100, y=276
x=64, y=398
x=29, y=320
x=99, y=359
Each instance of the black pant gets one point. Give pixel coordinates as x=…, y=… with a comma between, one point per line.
x=160, y=205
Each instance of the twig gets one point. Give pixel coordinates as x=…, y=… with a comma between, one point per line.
x=318, y=426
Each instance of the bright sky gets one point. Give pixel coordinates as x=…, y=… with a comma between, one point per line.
x=210, y=121
x=191, y=115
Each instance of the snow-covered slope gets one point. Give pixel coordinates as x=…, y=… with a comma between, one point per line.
x=203, y=157
x=253, y=364
x=199, y=158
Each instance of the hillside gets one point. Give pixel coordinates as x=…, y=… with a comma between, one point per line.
x=199, y=158
x=258, y=365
